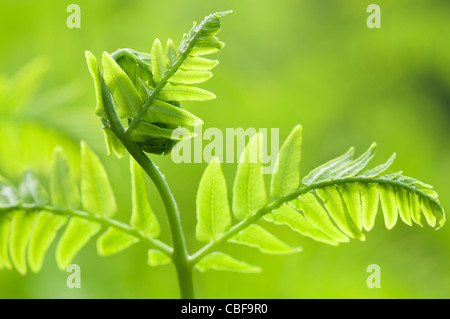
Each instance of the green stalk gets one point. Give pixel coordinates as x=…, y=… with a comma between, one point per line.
x=180, y=254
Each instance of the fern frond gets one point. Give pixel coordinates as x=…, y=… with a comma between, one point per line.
x=338, y=201
x=347, y=198
x=140, y=82
x=30, y=217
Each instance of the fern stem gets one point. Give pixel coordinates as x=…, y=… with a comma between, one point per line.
x=210, y=247
x=154, y=243
x=180, y=256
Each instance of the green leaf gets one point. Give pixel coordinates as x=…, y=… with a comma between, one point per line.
x=145, y=130
x=159, y=66
x=337, y=208
x=113, y=143
x=96, y=193
x=221, y=261
x=402, y=199
x=206, y=46
x=63, y=190
x=198, y=64
x=249, y=193
x=369, y=203
x=318, y=216
x=430, y=192
x=5, y=226
x=256, y=236
x=428, y=212
x=157, y=258
x=126, y=98
x=140, y=58
x=45, y=229
x=352, y=198
x=142, y=216
x=352, y=168
x=21, y=231
x=190, y=77
x=415, y=209
x=295, y=220
x=9, y=196
x=162, y=112
x=213, y=212
x=179, y=92
x=144, y=89
x=171, y=53
x=76, y=236
x=439, y=212
x=112, y=241
x=95, y=73
x=31, y=191
x=380, y=168
x=417, y=183
x=136, y=72
x=324, y=171
x=441, y=216
x=287, y=178
x=389, y=205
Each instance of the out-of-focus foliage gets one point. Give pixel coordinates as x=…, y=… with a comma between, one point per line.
x=28, y=128
x=286, y=62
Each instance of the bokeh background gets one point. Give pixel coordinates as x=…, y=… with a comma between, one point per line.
x=286, y=62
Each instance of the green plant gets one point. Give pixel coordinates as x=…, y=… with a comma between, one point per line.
x=337, y=201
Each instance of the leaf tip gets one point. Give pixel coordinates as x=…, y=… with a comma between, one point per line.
x=222, y=13
x=351, y=151
x=62, y=264
x=441, y=221
x=215, y=160
x=105, y=54
x=89, y=55
x=157, y=42
x=58, y=151
x=84, y=148
x=35, y=267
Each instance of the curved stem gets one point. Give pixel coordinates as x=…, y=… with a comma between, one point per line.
x=180, y=255
x=154, y=243
x=195, y=258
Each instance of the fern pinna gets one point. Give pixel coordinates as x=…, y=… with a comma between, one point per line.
x=337, y=201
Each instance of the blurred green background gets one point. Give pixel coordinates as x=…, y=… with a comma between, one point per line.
x=286, y=62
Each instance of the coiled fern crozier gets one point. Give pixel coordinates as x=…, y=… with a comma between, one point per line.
x=336, y=201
